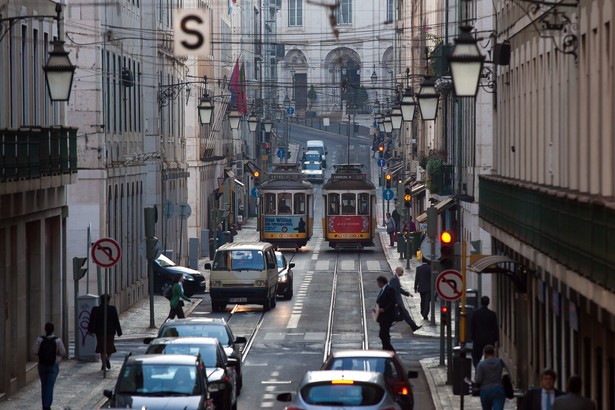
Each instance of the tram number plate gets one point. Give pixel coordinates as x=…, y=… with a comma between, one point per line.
x=238, y=300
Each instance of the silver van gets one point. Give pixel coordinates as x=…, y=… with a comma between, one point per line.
x=243, y=273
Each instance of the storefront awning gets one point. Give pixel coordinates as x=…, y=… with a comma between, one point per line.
x=440, y=206
x=417, y=188
x=500, y=264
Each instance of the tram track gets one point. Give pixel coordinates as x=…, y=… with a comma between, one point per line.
x=348, y=328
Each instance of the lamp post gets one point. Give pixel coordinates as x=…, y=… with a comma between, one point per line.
x=428, y=99
x=59, y=71
x=206, y=109
x=233, y=118
x=286, y=140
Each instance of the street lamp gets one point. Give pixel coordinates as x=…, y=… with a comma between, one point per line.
x=396, y=118
x=407, y=105
x=268, y=124
x=233, y=118
x=252, y=122
x=388, y=123
x=206, y=109
x=466, y=63
x=374, y=76
x=59, y=71
x=428, y=99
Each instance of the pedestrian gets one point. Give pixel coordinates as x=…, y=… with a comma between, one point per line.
x=395, y=283
x=390, y=229
x=541, y=398
x=105, y=342
x=422, y=286
x=409, y=226
x=573, y=400
x=386, y=312
x=483, y=329
x=489, y=378
x=50, y=351
x=397, y=218
x=177, y=298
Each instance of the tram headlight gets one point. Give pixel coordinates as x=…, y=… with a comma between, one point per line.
x=216, y=284
x=259, y=283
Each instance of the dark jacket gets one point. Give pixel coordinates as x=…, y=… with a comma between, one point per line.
x=396, y=285
x=484, y=327
x=96, y=324
x=533, y=398
x=422, y=278
x=386, y=300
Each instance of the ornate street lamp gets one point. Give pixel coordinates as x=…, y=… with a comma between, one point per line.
x=466, y=63
x=374, y=76
x=233, y=119
x=428, y=99
x=286, y=101
x=396, y=118
x=252, y=122
x=388, y=123
x=268, y=125
x=59, y=71
x=206, y=109
x=407, y=105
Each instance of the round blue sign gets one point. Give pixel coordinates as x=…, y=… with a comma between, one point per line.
x=281, y=153
x=387, y=194
x=381, y=162
x=254, y=192
x=290, y=110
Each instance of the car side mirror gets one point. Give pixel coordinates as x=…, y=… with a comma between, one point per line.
x=291, y=265
x=285, y=397
x=108, y=393
x=241, y=340
x=207, y=266
x=147, y=340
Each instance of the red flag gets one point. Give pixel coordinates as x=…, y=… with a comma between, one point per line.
x=234, y=84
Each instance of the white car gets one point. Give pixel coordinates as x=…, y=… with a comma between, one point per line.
x=313, y=171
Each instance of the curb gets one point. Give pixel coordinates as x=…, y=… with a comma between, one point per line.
x=431, y=382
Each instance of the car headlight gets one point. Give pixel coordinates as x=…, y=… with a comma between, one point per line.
x=216, y=284
x=283, y=277
x=187, y=277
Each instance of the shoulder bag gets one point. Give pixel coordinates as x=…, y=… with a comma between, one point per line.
x=507, y=382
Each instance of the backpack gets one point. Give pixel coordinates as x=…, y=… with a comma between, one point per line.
x=168, y=292
x=47, y=351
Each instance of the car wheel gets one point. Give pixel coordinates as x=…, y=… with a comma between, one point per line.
x=165, y=286
x=289, y=291
x=267, y=305
x=274, y=301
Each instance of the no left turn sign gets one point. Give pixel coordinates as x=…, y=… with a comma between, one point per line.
x=106, y=252
x=449, y=284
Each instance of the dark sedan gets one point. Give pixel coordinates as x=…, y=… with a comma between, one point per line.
x=381, y=361
x=165, y=271
x=285, y=277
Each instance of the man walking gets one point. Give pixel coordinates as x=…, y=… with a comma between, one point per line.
x=391, y=229
x=395, y=283
x=573, y=400
x=422, y=285
x=483, y=329
x=541, y=398
x=50, y=351
x=386, y=312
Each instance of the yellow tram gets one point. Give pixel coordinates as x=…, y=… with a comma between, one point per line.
x=286, y=208
x=350, y=208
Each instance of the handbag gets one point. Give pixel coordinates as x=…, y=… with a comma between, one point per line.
x=507, y=382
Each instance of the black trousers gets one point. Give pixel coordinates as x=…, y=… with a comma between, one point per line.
x=407, y=318
x=178, y=311
x=385, y=334
x=425, y=304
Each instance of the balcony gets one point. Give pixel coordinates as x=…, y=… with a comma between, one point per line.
x=37, y=158
x=576, y=230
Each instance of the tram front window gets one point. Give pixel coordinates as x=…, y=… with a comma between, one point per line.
x=334, y=204
x=284, y=203
x=270, y=204
x=348, y=204
x=363, y=204
x=299, y=204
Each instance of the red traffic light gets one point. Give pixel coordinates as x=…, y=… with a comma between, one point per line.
x=444, y=310
x=446, y=237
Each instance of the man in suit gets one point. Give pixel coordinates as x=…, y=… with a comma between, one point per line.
x=541, y=398
x=573, y=400
x=386, y=312
x=395, y=283
x=422, y=285
x=105, y=324
x=483, y=329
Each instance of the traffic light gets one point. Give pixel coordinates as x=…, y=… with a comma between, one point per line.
x=381, y=150
x=407, y=198
x=268, y=148
x=80, y=267
x=256, y=177
x=388, y=180
x=446, y=250
x=444, y=314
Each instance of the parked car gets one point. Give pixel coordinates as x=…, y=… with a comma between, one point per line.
x=285, y=276
x=382, y=361
x=206, y=327
x=334, y=390
x=165, y=270
x=161, y=382
x=219, y=368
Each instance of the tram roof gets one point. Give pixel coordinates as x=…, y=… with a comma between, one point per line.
x=348, y=176
x=287, y=183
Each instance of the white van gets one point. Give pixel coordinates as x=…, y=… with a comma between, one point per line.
x=243, y=273
x=318, y=145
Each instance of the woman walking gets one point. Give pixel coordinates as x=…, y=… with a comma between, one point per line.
x=489, y=378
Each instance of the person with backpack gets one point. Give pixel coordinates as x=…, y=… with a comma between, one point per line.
x=176, y=302
x=50, y=351
x=96, y=325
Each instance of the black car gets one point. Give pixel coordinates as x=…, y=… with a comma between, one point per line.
x=161, y=382
x=220, y=369
x=165, y=271
x=285, y=277
x=206, y=327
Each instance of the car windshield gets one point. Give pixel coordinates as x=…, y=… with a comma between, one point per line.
x=354, y=394
x=239, y=260
x=164, y=261
x=197, y=330
x=371, y=364
x=167, y=379
x=208, y=351
x=312, y=166
x=280, y=259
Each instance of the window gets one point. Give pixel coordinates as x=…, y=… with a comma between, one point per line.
x=334, y=204
x=295, y=12
x=299, y=204
x=284, y=203
x=344, y=12
x=390, y=10
x=363, y=204
x=270, y=204
x=348, y=204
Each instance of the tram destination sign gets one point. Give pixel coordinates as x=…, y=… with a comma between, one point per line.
x=348, y=177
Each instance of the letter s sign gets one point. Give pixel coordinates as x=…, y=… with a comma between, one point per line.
x=191, y=32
